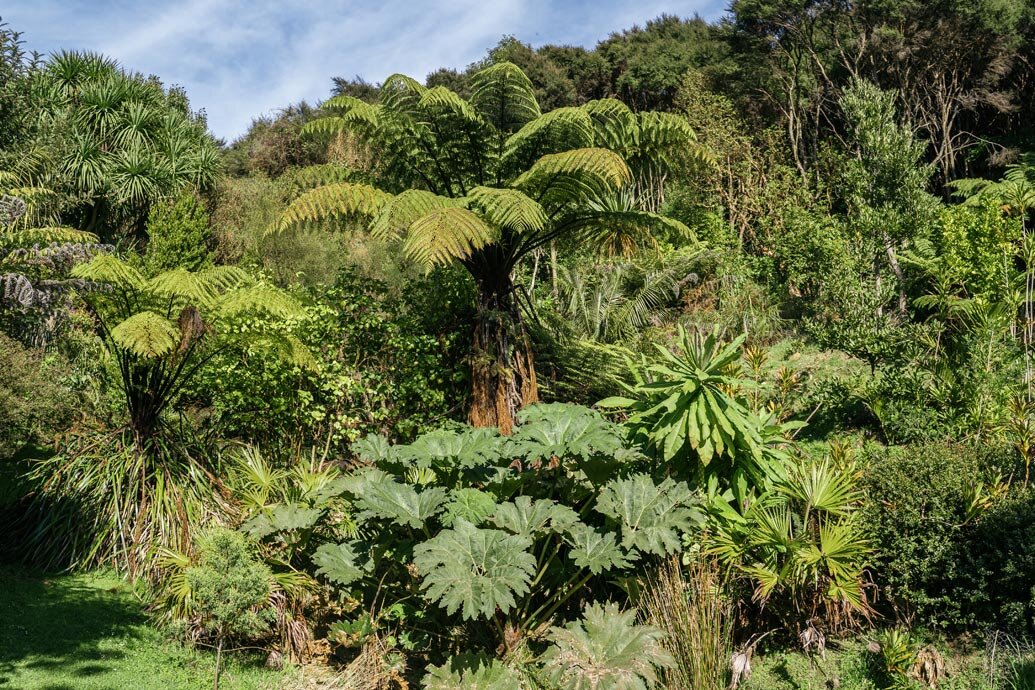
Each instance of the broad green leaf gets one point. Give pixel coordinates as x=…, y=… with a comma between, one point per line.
x=653, y=517
x=337, y=563
x=475, y=571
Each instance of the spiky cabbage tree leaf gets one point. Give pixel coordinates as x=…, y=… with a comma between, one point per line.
x=468, y=504
x=281, y=518
x=380, y=496
x=653, y=517
x=606, y=650
x=147, y=335
x=528, y=518
x=597, y=551
x=337, y=563
x=474, y=570
x=472, y=672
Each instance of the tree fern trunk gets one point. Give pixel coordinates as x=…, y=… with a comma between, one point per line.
x=502, y=369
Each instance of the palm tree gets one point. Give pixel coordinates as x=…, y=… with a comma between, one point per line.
x=484, y=182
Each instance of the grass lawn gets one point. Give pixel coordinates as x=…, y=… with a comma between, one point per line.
x=87, y=632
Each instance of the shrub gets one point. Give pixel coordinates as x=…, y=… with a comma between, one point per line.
x=229, y=590
x=35, y=403
x=178, y=236
x=953, y=547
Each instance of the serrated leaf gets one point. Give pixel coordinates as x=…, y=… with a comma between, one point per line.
x=597, y=551
x=472, y=672
x=653, y=517
x=468, y=504
x=528, y=518
x=281, y=518
x=337, y=563
x=475, y=571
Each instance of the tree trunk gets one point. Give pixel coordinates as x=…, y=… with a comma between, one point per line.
x=502, y=369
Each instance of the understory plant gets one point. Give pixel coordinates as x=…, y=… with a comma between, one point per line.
x=469, y=539
x=114, y=496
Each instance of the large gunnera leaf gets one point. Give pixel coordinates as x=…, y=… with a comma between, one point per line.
x=606, y=650
x=380, y=496
x=475, y=570
x=597, y=551
x=471, y=672
x=652, y=516
x=527, y=517
x=337, y=562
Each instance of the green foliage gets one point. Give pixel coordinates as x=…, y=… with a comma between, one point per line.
x=606, y=649
x=480, y=571
x=948, y=537
x=473, y=672
x=178, y=236
x=36, y=400
x=684, y=412
x=229, y=590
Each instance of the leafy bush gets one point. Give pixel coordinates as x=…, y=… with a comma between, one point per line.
x=178, y=236
x=951, y=547
x=229, y=590
x=499, y=534
x=35, y=401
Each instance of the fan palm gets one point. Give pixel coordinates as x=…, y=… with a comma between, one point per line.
x=484, y=182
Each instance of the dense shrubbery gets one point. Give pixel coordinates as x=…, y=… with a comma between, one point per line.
x=815, y=352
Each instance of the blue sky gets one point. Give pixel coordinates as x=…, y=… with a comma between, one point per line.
x=240, y=58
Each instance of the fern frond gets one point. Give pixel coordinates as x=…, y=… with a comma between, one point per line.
x=613, y=122
x=445, y=235
x=504, y=96
x=299, y=180
x=404, y=209
x=179, y=284
x=509, y=208
x=402, y=93
x=260, y=298
x=42, y=236
x=146, y=334
x=442, y=98
x=223, y=278
x=342, y=103
x=557, y=130
x=109, y=269
x=557, y=179
x=333, y=201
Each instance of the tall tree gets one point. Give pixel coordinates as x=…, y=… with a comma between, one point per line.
x=487, y=181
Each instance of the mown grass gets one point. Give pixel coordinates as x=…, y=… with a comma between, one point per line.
x=88, y=632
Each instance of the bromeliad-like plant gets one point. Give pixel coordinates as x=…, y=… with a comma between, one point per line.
x=686, y=411
x=484, y=182
x=143, y=486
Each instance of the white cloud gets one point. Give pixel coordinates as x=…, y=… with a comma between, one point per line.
x=238, y=59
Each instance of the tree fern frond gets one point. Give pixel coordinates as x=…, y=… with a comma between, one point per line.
x=557, y=130
x=504, y=96
x=40, y=236
x=509, y=208
x=402, y=93
x=223, y=278
x=260, y=298
x=442, y=98
x=106, y=268
x=333, y=201
x=558, y=179
x=179, y=284
x=342, y=103
x=299, y=180
x=445, y=235
x=402, y=210
x=621, y=233
x=325, y=125
x=613, y=122
x=146, y=334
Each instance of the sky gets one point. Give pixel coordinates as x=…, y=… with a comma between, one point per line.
x=238, y=59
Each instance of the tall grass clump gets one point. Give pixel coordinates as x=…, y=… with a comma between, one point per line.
x=690, y=606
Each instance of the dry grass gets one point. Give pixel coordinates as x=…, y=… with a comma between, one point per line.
x=690, y=606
